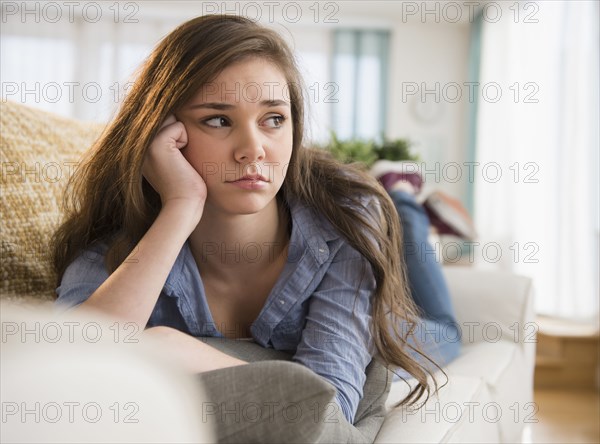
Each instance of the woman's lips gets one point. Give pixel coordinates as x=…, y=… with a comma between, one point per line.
x=249, y=183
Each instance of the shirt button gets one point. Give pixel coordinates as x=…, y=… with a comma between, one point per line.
x=321, y=250
x=281, y=301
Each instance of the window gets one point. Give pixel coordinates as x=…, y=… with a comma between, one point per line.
x=359, y=71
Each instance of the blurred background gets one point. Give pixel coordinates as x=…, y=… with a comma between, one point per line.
x=498, y=100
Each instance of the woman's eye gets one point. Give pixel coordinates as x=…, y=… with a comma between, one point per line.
x=216, y=122
x=275, y=121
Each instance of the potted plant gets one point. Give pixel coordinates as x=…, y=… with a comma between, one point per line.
x=369, y=151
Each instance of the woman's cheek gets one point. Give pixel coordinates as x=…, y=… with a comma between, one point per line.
x=193, y=159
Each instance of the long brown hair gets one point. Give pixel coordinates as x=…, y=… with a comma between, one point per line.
x=108, y=200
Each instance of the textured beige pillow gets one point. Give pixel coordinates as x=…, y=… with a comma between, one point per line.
x=38, y=153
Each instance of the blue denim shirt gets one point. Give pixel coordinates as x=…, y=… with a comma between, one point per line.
x=320, y=306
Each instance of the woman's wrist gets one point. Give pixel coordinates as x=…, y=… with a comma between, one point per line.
x=188, y=211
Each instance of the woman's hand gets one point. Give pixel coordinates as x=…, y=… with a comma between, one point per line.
x=169, y=173
x=131, y=291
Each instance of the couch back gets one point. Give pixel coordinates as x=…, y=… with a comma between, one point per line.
x=38, y=152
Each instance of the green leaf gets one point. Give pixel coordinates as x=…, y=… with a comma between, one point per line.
x=396, y=150
x=368, y=151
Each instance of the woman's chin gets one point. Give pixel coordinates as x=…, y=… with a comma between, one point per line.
x=244, y=205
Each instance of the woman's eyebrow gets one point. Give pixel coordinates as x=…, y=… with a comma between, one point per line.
x=274, y=103
x=227, y=106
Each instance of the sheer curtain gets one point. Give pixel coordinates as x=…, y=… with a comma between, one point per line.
x=536, y=191
x=74, y=68
x=359, y=68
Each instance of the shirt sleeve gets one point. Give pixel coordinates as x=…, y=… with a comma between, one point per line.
x=81, y=278
x=336, y=342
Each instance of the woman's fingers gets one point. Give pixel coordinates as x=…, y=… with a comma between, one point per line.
x=167, y=170
x=169, y=120
x=177, y=133
x=182, y=139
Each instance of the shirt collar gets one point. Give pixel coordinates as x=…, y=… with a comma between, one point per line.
x=310, y=230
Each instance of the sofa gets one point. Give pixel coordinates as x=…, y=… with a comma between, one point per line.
x=488, y=395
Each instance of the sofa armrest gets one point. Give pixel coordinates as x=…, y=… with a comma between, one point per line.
x=86, y=378
x=492, y=306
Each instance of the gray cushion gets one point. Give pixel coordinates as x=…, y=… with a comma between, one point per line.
x=265, y=402
x=274, y=382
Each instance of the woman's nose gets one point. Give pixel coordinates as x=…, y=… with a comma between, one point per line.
x=249, y=146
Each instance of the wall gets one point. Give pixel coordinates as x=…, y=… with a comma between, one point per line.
x=424, y=56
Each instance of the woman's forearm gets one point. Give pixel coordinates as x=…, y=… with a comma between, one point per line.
x=131, y=291
x=190, y=353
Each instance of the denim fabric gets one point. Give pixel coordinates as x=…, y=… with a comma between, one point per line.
x=320, y=307
x=437, y=333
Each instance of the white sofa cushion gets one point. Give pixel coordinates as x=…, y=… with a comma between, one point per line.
x=491, y=381
x=483, y=360
x=450, y=416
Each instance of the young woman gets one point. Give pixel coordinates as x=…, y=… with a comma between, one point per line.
x=199, y=213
